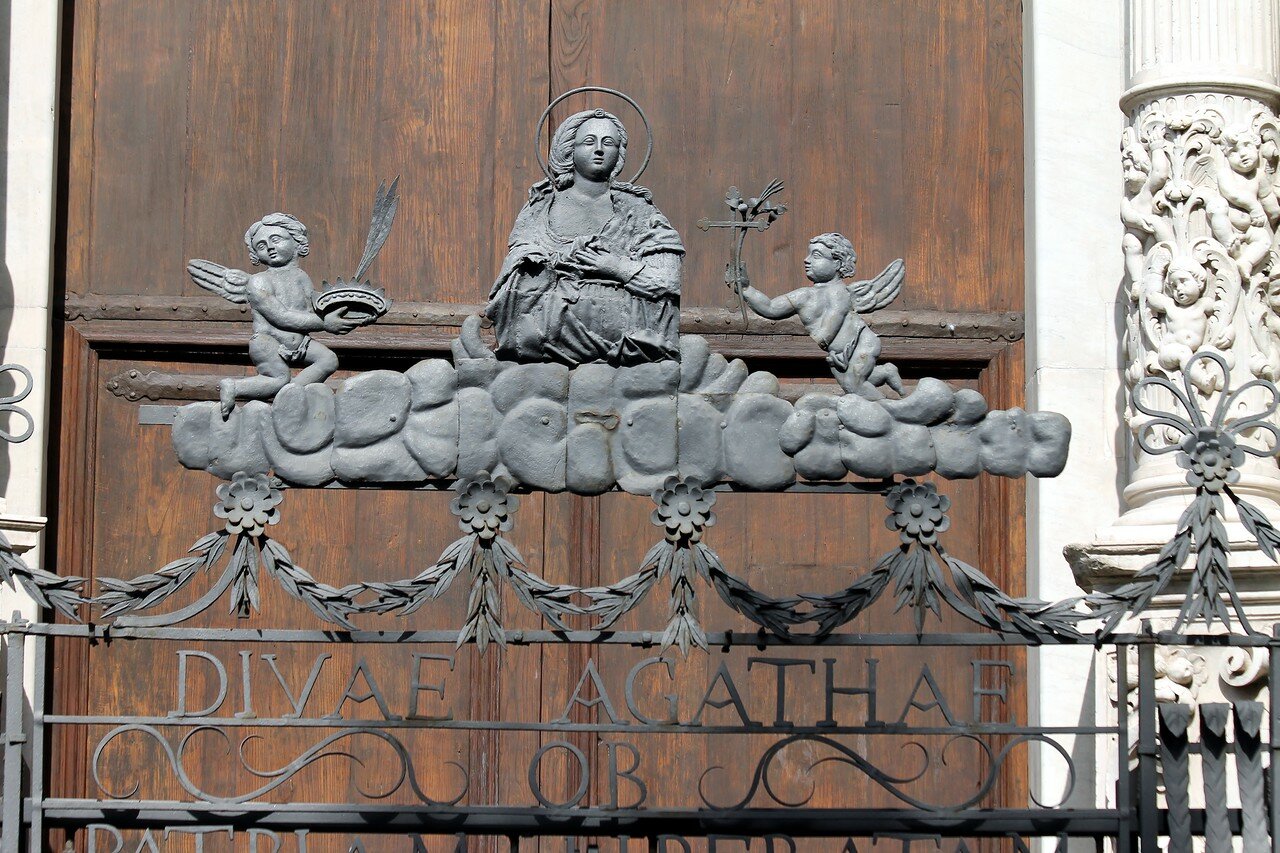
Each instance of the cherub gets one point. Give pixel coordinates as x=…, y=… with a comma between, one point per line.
x=1181, y=306
x=282, y=299
x=1237, y=214
x=1145, y=174
x=829, y=310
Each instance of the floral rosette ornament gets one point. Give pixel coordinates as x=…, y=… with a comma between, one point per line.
x=1212, y=451
x=684, y=509
x=1212, y=459
x=249, y=503
x=484, y=506
x=917, y=512
x=683, y=512
x=924, y=577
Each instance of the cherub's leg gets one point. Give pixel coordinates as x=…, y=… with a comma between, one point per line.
x=1219, y=214
x=1254, y=248
x=1134, y=260
x=273, y=374
x=886, y=374
x=853, y=383
x=320, y=364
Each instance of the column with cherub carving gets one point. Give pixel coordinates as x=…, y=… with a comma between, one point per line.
x=1200, y=212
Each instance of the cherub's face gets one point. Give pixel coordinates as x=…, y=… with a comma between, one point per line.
x=1185, y=287
x=1134, y=170
x=1243, y=156
x=1273, y=294
x=274, y=246
x=595, y=149
x=819, y=265
x=1180, y=669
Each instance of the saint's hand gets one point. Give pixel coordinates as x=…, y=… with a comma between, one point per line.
x=339, y=323
x=593, y=260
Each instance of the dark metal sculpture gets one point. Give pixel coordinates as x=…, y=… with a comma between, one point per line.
x=249, y=504
x=9, y=405
x=484, y=507
x=684, y=512
x=60, y=592
x=829, y=308
x=286, y=307
x=924, y=576
x=592, y=272
x=755, y=214
x=1212, y=449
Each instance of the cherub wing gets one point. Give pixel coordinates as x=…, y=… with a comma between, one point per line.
x=213, y=277
x=878, y=292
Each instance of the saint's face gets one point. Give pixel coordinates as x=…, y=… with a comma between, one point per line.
x=274, y=246
x=595, y=149
x=819, y=265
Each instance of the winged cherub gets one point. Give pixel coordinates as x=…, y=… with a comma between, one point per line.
x=282, y=299
x=829, y=310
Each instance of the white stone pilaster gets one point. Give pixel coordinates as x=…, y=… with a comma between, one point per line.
x=1199, y=156
x=30, y=150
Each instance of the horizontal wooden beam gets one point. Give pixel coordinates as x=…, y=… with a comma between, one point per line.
x=406, y=320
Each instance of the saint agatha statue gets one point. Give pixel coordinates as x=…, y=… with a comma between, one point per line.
x=592, y=272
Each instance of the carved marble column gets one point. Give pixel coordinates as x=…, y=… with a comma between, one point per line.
x=1200, y=212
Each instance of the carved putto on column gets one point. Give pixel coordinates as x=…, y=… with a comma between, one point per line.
x=1200, y=214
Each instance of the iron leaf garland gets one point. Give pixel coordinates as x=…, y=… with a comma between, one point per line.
x=484, y=507
x=46, y=588
x=924, y=577
x=1211, y=452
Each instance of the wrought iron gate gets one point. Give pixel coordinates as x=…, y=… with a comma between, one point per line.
x=167, y=798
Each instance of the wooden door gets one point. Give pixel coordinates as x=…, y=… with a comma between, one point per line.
x=898, y=124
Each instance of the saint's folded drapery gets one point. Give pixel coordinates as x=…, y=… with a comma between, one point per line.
x=589, y=279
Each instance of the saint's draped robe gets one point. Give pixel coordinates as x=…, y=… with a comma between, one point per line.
x=545, y=311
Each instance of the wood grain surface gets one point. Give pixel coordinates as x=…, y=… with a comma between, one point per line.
x=896, y=123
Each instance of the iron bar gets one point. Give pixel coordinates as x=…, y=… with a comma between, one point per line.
x=1124, y=798
x=1148, y=751
x=1213, y=762
x=788, y=729
x=641, y=639
x=482, y=820
x=1174, y=719
x=1273, y=660
x=35, y=816
x=14, y=738
x=1253, y=807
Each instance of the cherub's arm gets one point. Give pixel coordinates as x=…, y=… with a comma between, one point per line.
x=277, y=314
x=773, y=309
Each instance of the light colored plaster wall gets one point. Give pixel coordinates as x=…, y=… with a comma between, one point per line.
x=30, y=148
x=1074, y=76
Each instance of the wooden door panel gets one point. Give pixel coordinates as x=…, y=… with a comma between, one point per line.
x=898, y=124
x=206, y=117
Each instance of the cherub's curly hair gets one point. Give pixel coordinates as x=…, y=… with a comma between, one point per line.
x=560, y=162
x=289, y=223
x=841, y=250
